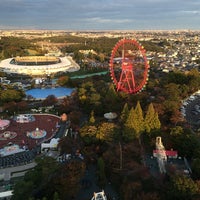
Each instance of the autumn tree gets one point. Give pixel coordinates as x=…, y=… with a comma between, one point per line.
x=10, y=107
x=107, y=131
x=88, y=133
x=148, y=196
x=66, y=105
x=37, y=183
x=50, y=100
x=75, y=118
x=130, y=189
x=22, y=106
x=82, y=95
x=64, y=81
x=92, y=119
x=182, y=188
x=69, y=145
x=67, y=180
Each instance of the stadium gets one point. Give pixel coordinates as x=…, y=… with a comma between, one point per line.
x=38, y=65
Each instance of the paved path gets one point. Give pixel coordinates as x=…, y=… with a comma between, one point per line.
x=87, y=192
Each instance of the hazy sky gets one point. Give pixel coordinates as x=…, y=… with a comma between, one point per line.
x=100, y=14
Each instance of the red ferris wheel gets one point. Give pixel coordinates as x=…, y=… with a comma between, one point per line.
x=129, y=66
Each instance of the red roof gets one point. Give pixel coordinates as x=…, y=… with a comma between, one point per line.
x=168, y=152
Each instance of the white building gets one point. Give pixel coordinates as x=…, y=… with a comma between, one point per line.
x=38, y=65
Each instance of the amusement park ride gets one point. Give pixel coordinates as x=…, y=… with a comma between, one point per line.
x=129, y=66
x=99, y=196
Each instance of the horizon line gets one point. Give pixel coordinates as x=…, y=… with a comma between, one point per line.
x=93, y=30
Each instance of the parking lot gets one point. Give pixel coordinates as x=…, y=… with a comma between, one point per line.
x=191, y=111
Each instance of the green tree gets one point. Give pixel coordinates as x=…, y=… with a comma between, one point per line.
x=176, y=131
x=171, y=106
x=157, y=123
x=194, y=83
x=177, y=78
x=196, y=168
x=186, y=143
x=10, y=95
x=139, y=115
x=56, y=196
x=184, y=89
x=23, y=190
x=132, y=127
x=172, y=92
x=89, y=98
x=111, y=98
x=101, y=172
x=151, y=119
x=124, y=113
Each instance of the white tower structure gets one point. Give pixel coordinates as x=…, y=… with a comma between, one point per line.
x=161, y=155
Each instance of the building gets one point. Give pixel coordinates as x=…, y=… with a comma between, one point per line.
x=38, y=65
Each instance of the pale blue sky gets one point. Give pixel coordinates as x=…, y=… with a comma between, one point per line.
x=100, y=14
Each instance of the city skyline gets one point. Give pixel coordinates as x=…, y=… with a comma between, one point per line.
x=100, y=15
